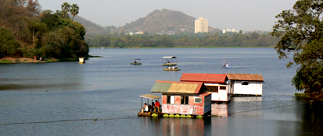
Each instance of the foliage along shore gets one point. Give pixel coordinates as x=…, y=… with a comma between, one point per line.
x=200, y=40
x=12, y=60
x=308, y=97
x=27, y=32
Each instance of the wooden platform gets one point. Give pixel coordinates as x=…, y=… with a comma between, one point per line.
x=150, y=114
x=166, y=69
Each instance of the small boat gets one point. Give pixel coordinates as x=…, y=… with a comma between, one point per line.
x=151, y=112
x=226, y=64
x=81, y=60
x=169, y=61
x=171, y=68
x=136, y=61
x=102, y=48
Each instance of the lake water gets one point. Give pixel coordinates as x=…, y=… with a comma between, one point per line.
x=101, y=97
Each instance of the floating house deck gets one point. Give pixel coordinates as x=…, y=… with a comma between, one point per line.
x=183, y=99
x=246, y=84
x=217, y=84
x=150, y=112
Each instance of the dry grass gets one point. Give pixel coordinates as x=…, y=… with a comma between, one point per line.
x=19, y=60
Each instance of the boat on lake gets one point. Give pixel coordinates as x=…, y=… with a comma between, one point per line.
x=226, y=64
x=169, y=61
x=136, y=61
x=81, y=60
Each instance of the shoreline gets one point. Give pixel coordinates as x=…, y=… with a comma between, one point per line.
x=172, y=47
x=17, y=60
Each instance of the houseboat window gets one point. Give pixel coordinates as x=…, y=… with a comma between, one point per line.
x=168, y=99
x=184, y=99
x=198, y=100
x=213, y=89
x=244, y=82
x=223, y=87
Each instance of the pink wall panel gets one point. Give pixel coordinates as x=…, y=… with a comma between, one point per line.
x=177, y=109
x=199, y=110
x=167, y=108
x=164, y=99
x=178, y=100
x=191, y=100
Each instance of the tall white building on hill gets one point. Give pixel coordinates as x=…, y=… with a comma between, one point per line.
x=201, y=25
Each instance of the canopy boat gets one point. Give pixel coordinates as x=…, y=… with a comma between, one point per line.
x=226, y=64
x=136, y=61
x=150, y=112
x=169, y=61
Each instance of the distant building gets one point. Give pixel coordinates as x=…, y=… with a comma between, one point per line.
x=140, y=32
x=229, y=30
x=201, y=25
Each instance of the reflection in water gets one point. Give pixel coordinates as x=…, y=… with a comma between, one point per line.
x=182, y=126
x=312, y=117
x=219, y=109
x=41, y=77
x=246, y=107
x=239, y=106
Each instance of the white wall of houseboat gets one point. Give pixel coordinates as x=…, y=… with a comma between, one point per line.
x=221, y=95
x=252, y=88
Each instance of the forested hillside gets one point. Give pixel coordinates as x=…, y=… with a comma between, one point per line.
x=26, y=31
x=94, y=29
x=183, y=40
x=163, y=21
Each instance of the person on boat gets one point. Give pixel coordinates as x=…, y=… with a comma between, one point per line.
x=145, y=108
x=152, y=106
x=157, y=106
x=135, y=61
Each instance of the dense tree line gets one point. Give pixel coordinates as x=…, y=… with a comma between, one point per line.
x=301, y=33
x=26, y=31
x=183, y=40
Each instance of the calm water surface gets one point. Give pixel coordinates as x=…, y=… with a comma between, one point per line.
x=63, y=98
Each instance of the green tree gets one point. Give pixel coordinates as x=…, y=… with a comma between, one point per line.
x=301, y=30
x=74, y=10
x=65, y=9
x=8, y=44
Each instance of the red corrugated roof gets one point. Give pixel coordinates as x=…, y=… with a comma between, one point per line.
x=249, y=77
x=205, y=78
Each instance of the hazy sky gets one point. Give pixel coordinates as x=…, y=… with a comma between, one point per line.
x=243, y=15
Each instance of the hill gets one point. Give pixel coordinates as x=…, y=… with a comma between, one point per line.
x=163, y=21
x=92, y=28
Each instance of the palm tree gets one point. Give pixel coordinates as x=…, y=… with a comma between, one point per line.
x=65, y=9
x=74, y=10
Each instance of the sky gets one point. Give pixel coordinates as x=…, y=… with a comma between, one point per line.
x=246, y=15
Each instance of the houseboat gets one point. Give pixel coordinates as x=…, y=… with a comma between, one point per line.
x=149, y=111
x=217, y=84
x=169, y=61
x=245, y=84
x=183, y=99
x=136, y=61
